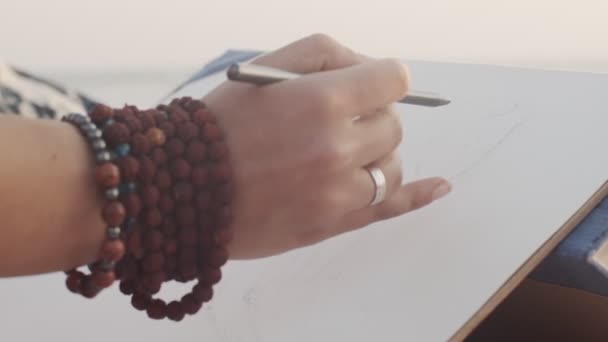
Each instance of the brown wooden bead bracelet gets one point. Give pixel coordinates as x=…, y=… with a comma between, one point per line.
x=177, y=194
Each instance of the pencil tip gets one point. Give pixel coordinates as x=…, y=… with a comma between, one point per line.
x=443, y=102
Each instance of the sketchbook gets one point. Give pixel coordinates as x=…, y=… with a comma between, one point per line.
x=524, y=150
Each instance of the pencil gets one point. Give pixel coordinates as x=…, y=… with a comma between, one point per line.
x=262, y=75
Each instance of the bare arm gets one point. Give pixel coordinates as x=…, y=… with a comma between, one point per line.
x=49, y=204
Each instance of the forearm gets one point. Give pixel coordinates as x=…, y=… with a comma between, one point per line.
x=49, y=203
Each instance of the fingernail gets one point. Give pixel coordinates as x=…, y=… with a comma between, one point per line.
x=441, y=190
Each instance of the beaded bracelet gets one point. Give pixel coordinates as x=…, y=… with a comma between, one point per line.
x=177, y=194
x=107, y=176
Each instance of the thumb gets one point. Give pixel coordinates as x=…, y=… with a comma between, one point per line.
x=409, y=197
x=312, y=54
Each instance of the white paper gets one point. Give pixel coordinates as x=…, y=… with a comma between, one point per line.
x=524, y=150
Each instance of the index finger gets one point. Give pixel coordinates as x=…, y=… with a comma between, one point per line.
x=363, y=88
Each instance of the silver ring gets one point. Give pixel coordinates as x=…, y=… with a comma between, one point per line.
x=379, y=183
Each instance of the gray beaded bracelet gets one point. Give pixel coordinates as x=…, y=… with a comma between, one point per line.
x=107, y=176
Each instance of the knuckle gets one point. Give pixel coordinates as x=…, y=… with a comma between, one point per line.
x=328, y=100
x=401, y=72
x=322, y=42
x=397, y=128
x=335, y=156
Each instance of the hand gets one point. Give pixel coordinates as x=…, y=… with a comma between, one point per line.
x=298, y=156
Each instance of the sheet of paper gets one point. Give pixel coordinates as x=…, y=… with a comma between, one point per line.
x=524, y=150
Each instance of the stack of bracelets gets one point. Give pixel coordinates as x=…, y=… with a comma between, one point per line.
x=166, y=179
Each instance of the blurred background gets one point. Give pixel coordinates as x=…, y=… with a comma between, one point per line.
x=105, y=46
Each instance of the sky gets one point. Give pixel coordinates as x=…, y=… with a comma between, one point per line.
x=149, y=34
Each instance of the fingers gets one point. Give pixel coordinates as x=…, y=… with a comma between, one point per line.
x=357, y=90
x=375, y=136
x=364, y=189
x=312, y=54
x=406, y=198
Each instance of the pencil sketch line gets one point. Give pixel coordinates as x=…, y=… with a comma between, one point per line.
x=491, y=150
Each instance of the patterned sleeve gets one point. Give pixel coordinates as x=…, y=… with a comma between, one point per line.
x=24, y=94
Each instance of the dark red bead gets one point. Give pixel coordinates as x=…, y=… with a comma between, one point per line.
x=203, y=200
x=147, y=169
x=185, y=215
x=177, y=115
x=107, y=175
x=150, y=195
x=89, y=289
x=170, y=247
x=135, y=243
x=128, y=267
x=160, y=117
x=133, y=124
x=190, y=305
x=168, y=128
x=147, y=120
x=223, y=193
x=185, y=101
x=170, y=264
x=204, y=239
x=218, y=150
x=168, y=227
x=139, y=144
x=195, y=105
x=101, y=113
x=199, y=176
x=153, y=240
x=187, y=271
x=187, y=255
x=153, y=262
x=224, y=236
x=218, y=256
x=202, y=293
x=112, y=250
x=103, y=279
x=206, y=221
x=74, y=281
x=175, y=311
x=187, y=236
x=223, y=216
x=114, y=213
x=154, y=281
x=129, y=168
x=153, y=217
x=163, y=179
x=159, y=156
x=180, y=169
x=187, y=131
x=140, y=301
x=182, y=192
x=201, y=117
x=211, y=276
x=122, y=114
x=221, y=172
x=174, y=148
x=132, y=203
x=116, y=134
x=126, y=287
x=195, y=152
x=212, y=132
x=166, y=203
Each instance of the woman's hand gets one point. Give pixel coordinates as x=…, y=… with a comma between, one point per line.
x=300, y=159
